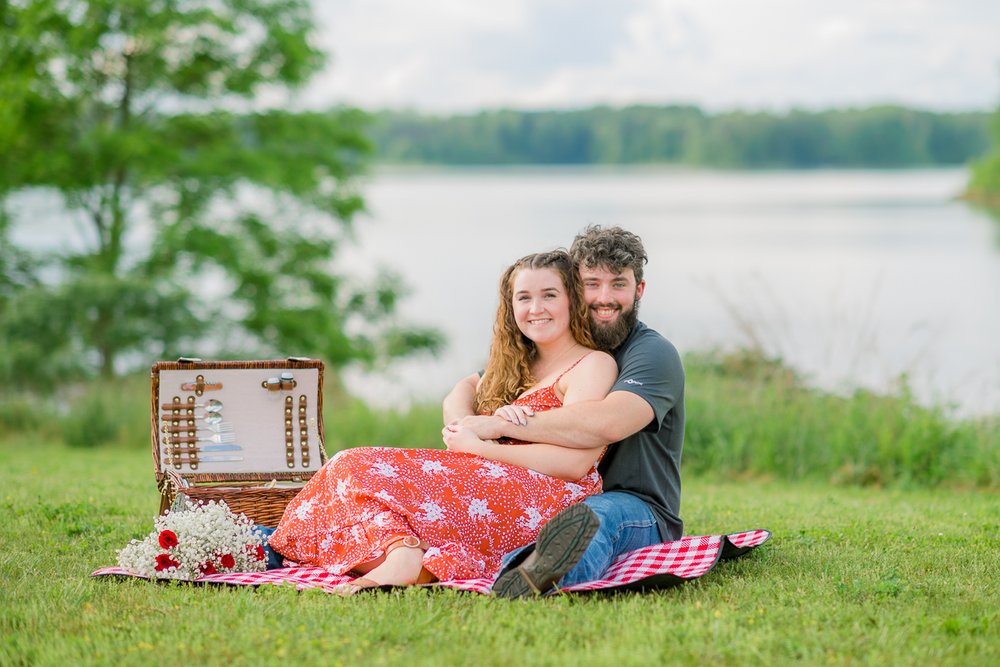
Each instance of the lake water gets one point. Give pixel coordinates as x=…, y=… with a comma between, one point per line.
x=855, y=278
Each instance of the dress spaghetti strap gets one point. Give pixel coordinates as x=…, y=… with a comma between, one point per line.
x=572, y=366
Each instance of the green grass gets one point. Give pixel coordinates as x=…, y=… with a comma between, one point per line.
x=750, y=415
x=852, y=576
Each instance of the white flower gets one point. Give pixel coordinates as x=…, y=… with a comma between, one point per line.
x=209, y=538
x=478, y=508
x=494, y=470
x=303, y=511
x=432, y=466
x=382, y=518
x=336, y=568
x=327, y=543
x=385, y=470
x=342, y=488
x=574, y=491
x=531, y=519
x=384, y=496
x=432, y=512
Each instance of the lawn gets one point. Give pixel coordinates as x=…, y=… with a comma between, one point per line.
x=851, y=576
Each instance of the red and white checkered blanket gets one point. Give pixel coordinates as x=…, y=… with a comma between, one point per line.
x=656, y=566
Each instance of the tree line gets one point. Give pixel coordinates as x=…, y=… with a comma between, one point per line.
x=880, y=137
x=131, y=117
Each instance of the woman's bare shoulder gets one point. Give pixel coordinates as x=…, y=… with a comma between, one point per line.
x=598, y=362
x=591, y=378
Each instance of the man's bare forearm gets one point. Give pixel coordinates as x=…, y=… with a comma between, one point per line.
x=570, y=426
x=461, y=400
x=581, y=425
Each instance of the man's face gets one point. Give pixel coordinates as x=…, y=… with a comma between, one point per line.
x=613, y=299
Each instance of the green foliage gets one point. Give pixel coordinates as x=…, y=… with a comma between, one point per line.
x=210, y=228
x=349, y=422
x=21, y=416
x=747, y=415
x=876, y=137
x=90, y=423
x=847, y=579
x=750, y=414
x=984, y=184
x=109, y=413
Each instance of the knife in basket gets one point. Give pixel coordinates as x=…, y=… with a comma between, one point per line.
x=207, y=448
x=217, y=438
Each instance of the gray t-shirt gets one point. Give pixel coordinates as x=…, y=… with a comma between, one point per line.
x=647, y=464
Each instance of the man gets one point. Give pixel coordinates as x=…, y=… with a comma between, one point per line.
x=643, y=416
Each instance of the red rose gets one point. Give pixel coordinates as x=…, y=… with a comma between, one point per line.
x=228, y=561
x=208, y=568
x=164, y=561
x=260, y=553
x=168, y=539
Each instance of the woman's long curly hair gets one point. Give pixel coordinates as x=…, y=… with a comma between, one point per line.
x=508, y=370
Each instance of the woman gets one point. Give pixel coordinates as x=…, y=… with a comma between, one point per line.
x=404, y=516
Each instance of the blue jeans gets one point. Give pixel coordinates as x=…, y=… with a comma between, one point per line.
x=274, y=560
x=627, y=524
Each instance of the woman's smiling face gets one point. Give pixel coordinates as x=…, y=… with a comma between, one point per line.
x=540, y=305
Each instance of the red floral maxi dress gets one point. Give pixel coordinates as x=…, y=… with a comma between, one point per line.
x=470, y=510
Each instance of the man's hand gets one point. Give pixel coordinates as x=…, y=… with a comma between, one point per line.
x=486, y=427
x=515, y=414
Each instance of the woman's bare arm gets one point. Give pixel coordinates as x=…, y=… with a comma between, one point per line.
x=565, y=463
x=588, y=381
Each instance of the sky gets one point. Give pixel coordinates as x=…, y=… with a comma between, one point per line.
x=449, y=56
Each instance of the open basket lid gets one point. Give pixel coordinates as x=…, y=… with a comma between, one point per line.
x=237, y=420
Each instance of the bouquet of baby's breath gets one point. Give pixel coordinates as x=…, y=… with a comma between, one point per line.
x=196, y=540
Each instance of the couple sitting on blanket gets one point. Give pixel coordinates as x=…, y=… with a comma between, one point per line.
x=518, y=491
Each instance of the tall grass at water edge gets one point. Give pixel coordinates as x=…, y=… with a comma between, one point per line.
x=746, y=415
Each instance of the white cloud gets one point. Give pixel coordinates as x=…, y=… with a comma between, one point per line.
x=450, y=55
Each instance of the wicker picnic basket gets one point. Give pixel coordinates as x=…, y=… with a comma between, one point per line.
x=246, y=432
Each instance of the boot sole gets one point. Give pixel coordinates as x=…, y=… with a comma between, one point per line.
x=560, y=545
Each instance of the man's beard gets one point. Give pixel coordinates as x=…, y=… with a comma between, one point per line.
x=610, y=336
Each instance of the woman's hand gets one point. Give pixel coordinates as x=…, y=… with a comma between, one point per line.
x=462, y=439
x=515, y=414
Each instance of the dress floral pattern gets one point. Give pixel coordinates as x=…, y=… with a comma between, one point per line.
x=470, y=510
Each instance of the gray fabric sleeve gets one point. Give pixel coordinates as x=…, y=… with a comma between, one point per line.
x=653, y=371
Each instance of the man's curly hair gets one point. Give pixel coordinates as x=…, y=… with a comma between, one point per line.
x=613, y=249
